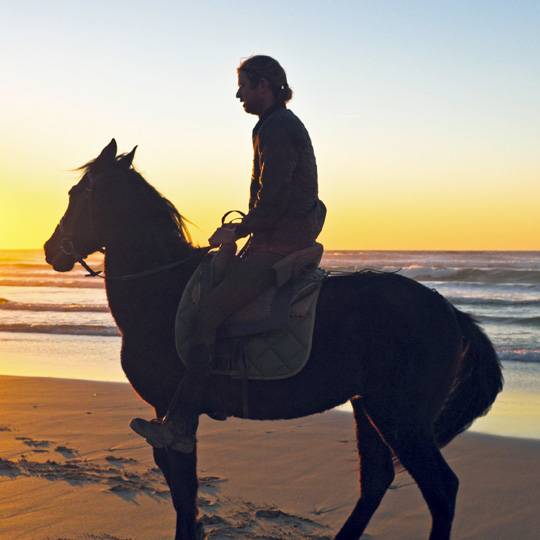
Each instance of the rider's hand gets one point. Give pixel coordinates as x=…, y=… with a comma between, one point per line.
x=223, y=235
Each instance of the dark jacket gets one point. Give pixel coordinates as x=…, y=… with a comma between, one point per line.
x=285, y=213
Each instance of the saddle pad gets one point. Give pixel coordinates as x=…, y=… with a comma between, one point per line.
x=269, y=343
x=274, y=354
x=271, y=310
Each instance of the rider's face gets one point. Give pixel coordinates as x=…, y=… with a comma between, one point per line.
x=251, y=97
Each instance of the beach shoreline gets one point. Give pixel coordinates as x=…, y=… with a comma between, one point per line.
x=70, y=468
x=515, y=413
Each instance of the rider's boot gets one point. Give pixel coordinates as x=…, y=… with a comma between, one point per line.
x=178, y=434
x=178, y=428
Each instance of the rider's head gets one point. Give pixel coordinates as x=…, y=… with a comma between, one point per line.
x=262, y=82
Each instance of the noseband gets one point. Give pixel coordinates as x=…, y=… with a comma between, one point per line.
x=67, y=243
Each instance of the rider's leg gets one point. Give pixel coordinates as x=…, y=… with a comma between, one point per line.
x=178, y=428
x=245, y=280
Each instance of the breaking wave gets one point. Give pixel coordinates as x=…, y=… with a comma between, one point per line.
x=484, y=301
x=82, y=283
x=514, y=321
x=475, y=275
x=62, y=308
x=72, y=329
x=527, y=356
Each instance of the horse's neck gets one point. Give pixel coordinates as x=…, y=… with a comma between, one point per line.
x=138, y=254
x=130, y=298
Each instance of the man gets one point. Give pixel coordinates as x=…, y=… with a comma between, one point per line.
x=285, y=215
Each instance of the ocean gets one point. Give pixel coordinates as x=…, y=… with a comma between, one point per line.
x=59, y=325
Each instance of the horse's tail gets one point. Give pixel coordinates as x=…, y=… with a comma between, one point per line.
x=477, y=383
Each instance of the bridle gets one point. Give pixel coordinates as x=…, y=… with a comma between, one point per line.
x=68, y=246
x=67, y=241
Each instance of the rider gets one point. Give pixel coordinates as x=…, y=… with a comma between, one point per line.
x=285, y=215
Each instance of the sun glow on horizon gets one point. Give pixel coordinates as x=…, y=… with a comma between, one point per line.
x=427, y=139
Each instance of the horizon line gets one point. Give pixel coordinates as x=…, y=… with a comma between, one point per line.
x=421, y=250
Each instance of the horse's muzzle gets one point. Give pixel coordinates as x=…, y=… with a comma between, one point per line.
x=60, y=260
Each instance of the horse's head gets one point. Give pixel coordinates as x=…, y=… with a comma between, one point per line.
x=82, y=230
x=113, y=204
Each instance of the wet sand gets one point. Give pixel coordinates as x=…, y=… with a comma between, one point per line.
x=70, y=468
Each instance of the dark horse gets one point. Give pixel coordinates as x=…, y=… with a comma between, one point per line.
x=416, y=370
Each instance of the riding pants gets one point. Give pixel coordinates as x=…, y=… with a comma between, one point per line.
x=244, y=280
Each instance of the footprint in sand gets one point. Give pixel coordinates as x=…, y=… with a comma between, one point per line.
x=320, y=510
x=8, y=468
x=246, y=520
x=79, y=472
x=33, y=443
x=209, y=484
x=119, y=460
x=104, y=536
x=67, y=452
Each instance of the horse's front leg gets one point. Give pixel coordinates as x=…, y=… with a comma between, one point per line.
x=182, y=479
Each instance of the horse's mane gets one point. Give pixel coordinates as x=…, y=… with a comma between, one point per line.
x=152, y=196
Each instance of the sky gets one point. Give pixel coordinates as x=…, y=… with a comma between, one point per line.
x=425, y=116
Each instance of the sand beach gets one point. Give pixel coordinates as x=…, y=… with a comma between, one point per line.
x=71, y=469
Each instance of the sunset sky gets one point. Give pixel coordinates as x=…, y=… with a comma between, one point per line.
x=425, y=116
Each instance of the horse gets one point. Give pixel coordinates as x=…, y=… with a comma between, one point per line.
x=416, y=370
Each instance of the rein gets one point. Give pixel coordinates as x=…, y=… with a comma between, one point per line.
x=136, y=275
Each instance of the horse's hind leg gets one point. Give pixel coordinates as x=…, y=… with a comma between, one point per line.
x=419, y=454
x=376, y=474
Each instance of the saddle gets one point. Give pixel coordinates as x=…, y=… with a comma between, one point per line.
x=270, y=338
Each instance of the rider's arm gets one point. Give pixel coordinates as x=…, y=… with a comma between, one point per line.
x=277, y=159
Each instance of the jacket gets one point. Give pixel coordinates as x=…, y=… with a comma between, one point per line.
x=285, y=213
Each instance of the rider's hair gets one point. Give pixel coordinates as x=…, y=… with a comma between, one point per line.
x=265, y=67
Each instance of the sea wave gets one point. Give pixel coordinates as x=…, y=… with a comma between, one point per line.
x=46, y=273
x=24, y=265
x=523, y=276
x=475, y=275
x=63, y=308
x=82, y=283
x=528, y=356
x=514, y=321
x=485, y=301
x=72, y=329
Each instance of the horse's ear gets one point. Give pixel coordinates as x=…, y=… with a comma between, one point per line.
x=127, y=160
x=108, y=154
